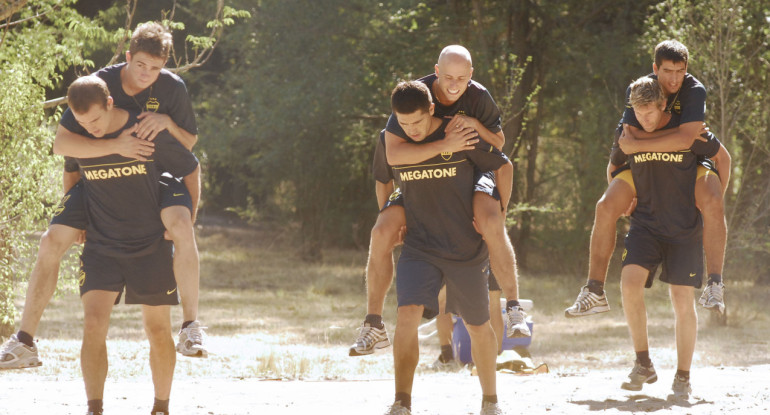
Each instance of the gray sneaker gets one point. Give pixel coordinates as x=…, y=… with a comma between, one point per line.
x=516, y=324
x=489, y=408
x=587, y=303
x=639, y=376
x=369, y=339
x=713, y=297
x=681, y=387
x=397, y=409
x=191, y=341
x=17, y=355
x=441, y=366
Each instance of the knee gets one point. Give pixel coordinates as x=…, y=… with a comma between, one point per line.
x=158, y=331
x=710, y=203
x=55, y=241
x=95, y=327
x=384, y=235
x=490, y=223
x=607, y=210
x=178, y=222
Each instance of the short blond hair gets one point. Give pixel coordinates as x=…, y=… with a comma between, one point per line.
x=645, y=91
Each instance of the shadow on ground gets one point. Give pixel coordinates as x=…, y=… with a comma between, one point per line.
x=641, y=403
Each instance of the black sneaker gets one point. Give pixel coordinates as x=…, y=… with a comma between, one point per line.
x=639, y=376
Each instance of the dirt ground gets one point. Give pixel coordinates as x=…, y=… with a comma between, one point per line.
x=716, y=390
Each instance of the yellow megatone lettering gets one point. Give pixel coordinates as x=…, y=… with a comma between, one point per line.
x=115, y=172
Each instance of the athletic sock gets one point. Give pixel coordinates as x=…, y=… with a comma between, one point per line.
x=644, y=358
x=488, y=398
x=683, y=374
x=511, y=304
x=25, y=338
x=714, y=279
x=96, y=406
x=374, y=320
x=596, y=287
x=405, y=398
x=187, y=323
x=447, y=354
x=160, y=406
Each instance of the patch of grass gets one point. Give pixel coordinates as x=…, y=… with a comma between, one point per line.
x=271, y=315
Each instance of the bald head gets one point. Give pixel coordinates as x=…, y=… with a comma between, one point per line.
x=453, y=74
x=455, y=54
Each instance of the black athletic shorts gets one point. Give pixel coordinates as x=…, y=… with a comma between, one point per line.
x=173, y=193
x=71, y=210
x=147, y=279
x=419, y=280
x=682, y=262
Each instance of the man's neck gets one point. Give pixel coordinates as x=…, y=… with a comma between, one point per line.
x=118, y=119
x=664, y=120
x=435, y=124
x=440, y=94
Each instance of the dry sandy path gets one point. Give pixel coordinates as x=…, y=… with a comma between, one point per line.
x=716, y=390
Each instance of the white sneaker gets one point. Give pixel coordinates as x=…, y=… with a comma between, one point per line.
x=17, y=355
x=397, y=409
x=587, y=303
x=369, y=339
x=516, y=324
x=489, y=408
x=713, y=297
x=191, y=341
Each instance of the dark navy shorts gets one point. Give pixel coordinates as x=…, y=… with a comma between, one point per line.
x=485, y=183
x=173, y=193
x=419, y=280
x=147, y=279
x=682, y=262
x=71, y=210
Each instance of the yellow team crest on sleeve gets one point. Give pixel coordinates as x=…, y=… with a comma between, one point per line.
x=446, y=155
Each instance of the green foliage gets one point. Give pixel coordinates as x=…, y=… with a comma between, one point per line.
x=32, y=56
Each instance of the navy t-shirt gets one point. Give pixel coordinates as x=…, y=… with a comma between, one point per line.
x=665, y=189
x=475, y=102
x=689, y=103
x=380, y=168
x=167, y=95
x=438, y=200
x=122, y=195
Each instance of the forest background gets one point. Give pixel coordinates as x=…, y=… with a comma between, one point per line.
x=291, y=94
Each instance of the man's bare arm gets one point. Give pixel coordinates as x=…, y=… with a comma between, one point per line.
x=463, y=121
x=383, y=191
x=70, y=144
x=611, y=169
x=635, y=140
x=152, y=123
x=193, y=183
x=399, y=152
